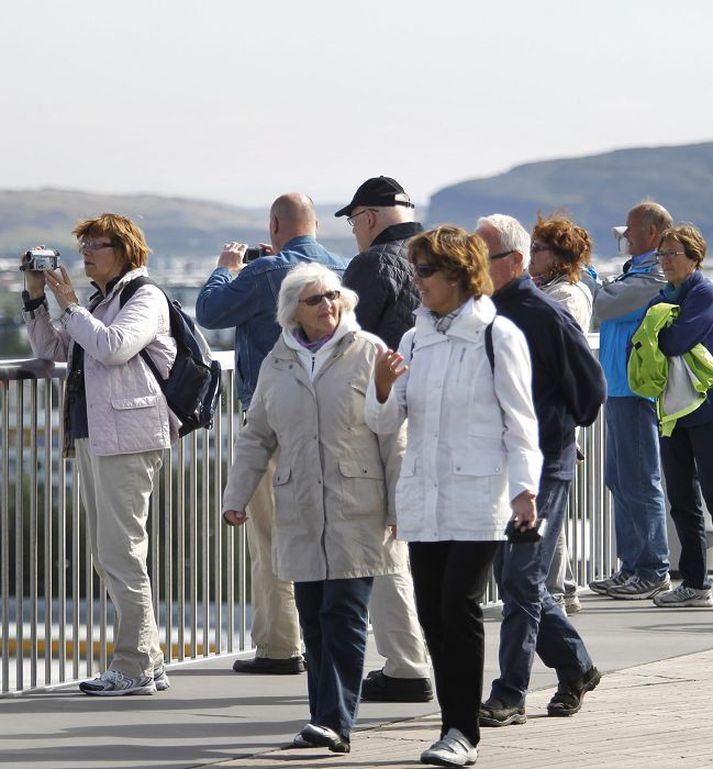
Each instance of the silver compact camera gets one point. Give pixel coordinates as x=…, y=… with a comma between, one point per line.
x=40, y=259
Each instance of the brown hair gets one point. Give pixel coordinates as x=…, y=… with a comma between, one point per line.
x=125, y=236
x=690, y=238
x=458, y=253
x=570, y=243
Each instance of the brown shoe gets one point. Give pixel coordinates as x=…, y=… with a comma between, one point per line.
x=569, y=695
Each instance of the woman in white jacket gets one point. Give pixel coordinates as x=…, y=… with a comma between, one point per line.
x=117, y=423
x=472, y=462
x=333, y=486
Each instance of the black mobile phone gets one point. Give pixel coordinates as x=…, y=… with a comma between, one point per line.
x=534, y=534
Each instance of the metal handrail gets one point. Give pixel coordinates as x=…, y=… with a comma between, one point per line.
x=56, y=620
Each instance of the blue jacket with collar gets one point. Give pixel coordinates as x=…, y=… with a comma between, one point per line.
x=694, y=324
x=568, y=386
x=248, y=302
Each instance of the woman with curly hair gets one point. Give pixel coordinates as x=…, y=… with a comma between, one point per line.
x=462, y=378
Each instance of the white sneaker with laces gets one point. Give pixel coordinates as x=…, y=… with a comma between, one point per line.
x=113, y=683
x=638, y=589
x=453, y=750
x=684, y=596
x=161, y=679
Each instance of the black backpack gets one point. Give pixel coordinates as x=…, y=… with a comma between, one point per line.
x=194, y=382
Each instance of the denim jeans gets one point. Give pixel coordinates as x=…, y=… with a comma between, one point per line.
x=687, y=458
x=532, y=621
x=449, y=580
x=334, y=621
x=633, y=473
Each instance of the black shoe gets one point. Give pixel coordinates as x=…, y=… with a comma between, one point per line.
x=567, y=700
x=378, y=687
x=269, y=666
x=324, y=737
x=496, y=713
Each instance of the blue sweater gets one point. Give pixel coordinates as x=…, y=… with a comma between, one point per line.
x=693, y=325
x=248, y=301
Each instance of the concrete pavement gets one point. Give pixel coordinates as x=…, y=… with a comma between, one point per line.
x=652, y=709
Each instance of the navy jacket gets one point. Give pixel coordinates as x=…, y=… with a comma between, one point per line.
x=693, y=325
x=568, y=386
x=248, y=301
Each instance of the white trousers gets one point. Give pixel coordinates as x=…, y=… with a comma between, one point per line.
x=115, y=492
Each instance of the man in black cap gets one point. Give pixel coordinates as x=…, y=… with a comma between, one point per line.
x=381, y=217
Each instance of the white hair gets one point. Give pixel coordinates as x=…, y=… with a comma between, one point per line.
x=303, y=275
x=513, y=236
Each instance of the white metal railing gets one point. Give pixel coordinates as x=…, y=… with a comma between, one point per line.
x=56, y=620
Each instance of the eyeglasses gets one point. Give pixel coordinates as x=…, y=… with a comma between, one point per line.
x=315, y=299
x=426, y=270
x=669, y=254
x=501, y=255
x=350, y=219
x=537, y=247
x=93, y=245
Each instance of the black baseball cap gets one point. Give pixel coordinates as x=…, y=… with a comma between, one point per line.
x=377, y=191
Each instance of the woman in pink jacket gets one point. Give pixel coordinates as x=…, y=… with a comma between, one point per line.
x=117, y=424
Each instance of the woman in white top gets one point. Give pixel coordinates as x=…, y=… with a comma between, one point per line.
x=559, y=252
x=462, y=377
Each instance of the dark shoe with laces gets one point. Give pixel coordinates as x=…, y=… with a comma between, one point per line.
x=323, y=737
x=269, y=666
x=494, y=712
x=568, y=698
x=378, y=687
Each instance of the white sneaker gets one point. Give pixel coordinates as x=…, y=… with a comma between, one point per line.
x=113, y=683
x=638, y=588
x=684, y=596
x=161, y=679
x=453, y=750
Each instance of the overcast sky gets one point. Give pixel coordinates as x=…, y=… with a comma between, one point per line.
x=238, y=101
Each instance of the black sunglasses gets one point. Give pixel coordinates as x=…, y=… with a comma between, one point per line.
x=426, y=270
x=315, y=299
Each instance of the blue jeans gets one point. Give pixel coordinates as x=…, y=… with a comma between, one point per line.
x=334, y=621
x=633, y=474
x=532, y=621
x=687, y=458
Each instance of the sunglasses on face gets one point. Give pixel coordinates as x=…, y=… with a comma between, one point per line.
x=426, y=270
x=315, y=299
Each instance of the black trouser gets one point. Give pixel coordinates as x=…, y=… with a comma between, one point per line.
x=687, y=458
x=449, y=581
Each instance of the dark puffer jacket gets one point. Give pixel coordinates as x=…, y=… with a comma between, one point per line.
x=383, y=278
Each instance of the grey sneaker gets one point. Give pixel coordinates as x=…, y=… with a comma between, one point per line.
x=637, y=589
x=602, y=586
x=684, y=596
x=454, y=749
x=572, y=604
x=113, y=683
x=161, y=679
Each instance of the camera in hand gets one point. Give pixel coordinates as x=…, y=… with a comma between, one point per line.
x=40, y=259
x=515, y=535
x=254, y=253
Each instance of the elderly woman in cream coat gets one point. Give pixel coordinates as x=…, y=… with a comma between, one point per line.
x=333, y=487
x=462, y=377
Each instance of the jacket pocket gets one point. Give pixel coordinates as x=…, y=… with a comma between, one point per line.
x=363, y=485
x=481, y=477
x=140, y=402
x=284, y=491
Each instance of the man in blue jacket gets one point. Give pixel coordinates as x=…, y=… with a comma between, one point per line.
x=244, y=296
x=568, y=389
x=632, y=461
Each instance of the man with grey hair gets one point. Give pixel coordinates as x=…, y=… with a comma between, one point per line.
x=633, y=465
x=567, y=389
x=244, y=296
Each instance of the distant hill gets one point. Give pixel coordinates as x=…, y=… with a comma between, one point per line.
x=174, y=227
x=597, y=191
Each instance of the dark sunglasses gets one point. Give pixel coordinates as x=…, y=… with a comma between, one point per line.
x=315, y=299
x=426, y=270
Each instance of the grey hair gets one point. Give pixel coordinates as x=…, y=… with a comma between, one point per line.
x=513, y=236
x=654, y=213
x=303, y=275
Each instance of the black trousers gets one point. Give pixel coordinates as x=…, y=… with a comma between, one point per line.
x=687, y=459
x=449, y=581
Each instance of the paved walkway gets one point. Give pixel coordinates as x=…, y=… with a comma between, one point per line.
x=653, y=710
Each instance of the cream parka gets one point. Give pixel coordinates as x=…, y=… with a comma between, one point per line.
x=334, y=480
x=126, y=410
x=472, y=432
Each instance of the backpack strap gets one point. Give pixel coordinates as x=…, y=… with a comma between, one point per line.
x=489, y=351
